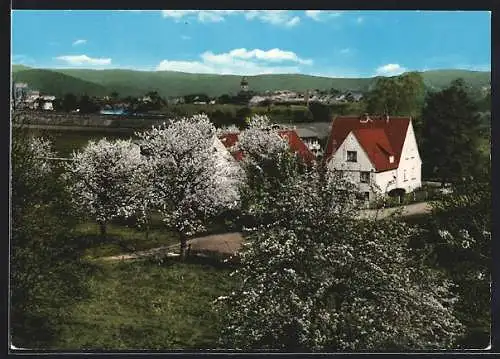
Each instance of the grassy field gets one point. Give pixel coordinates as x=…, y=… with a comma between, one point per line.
x=121, y=239
x=147, y=305
x=65, y=142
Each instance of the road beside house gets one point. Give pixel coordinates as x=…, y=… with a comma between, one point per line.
x=407, y=210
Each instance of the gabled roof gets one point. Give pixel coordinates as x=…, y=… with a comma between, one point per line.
x=294, y=141
x=379, y=136
x=377, y=147
x=297, y=145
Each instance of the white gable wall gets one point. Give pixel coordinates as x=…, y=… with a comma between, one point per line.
x=386, y=180
x=410, y=165
x=352, y=170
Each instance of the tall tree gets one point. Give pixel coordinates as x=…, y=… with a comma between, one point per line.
x=47, y=274
x=268, y=164
x=115, y=96
x=320, y=112
x=156, y=101
x=193, y=178
x=69, y=102
x=400, y=95
x=86, y=105
x=102, y=180
x=451, y=135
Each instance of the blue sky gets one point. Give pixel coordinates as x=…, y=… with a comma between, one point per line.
x=326, y=43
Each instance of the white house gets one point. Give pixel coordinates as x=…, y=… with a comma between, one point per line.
x=379, y=154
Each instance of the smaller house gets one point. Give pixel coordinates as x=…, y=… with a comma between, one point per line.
x=311, y=139
x=47, y=102
x=296, y=144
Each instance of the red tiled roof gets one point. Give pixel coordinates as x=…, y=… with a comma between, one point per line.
x=294, y=141
x=379, y=138
x=376, y=145
x=229, y=140
x=297, y=145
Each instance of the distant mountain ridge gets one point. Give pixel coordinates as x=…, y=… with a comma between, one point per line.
x=170, y=83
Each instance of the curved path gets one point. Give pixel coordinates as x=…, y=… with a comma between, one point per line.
x=229, y=243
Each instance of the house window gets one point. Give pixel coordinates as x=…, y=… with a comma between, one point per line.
x=413, y=177
x=404, y=176
x=364, y=196
x=364, y=177
x=352, y=156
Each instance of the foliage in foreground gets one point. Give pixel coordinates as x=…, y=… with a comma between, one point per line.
x=460, y=241
x=47, y=275
x=313, y=277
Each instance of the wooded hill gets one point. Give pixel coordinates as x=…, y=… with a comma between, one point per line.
x=169, y=83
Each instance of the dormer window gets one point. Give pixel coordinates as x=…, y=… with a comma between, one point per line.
x=352, y=156
x=391, y=159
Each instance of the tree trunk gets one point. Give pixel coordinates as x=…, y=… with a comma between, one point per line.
x=183, y=242
x=102, y=228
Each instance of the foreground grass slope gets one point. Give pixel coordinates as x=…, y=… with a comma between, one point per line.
x=169, y=83
x=144, y=305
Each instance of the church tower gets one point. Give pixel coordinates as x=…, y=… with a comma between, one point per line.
x=244, y=84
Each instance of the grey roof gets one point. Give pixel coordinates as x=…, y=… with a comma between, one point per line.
x=315, y=129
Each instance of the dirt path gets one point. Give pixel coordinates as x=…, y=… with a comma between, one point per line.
x=408, y=210
x=226, y=244
x=230, y=243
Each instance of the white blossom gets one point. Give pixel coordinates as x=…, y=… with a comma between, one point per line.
x=193, y=177
x=102, y=179
x=316, y=278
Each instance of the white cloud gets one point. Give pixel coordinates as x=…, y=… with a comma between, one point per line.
x=273, y=55
x=77, y=60
x=235, y=68
x=360, y=19
x=200, y=15
x=313, y=14
x=185, y=37
x=321, y=15
x=390, y=70
x=79, y=42
x=274, y=17
x=345, y=51
x=239, y=62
